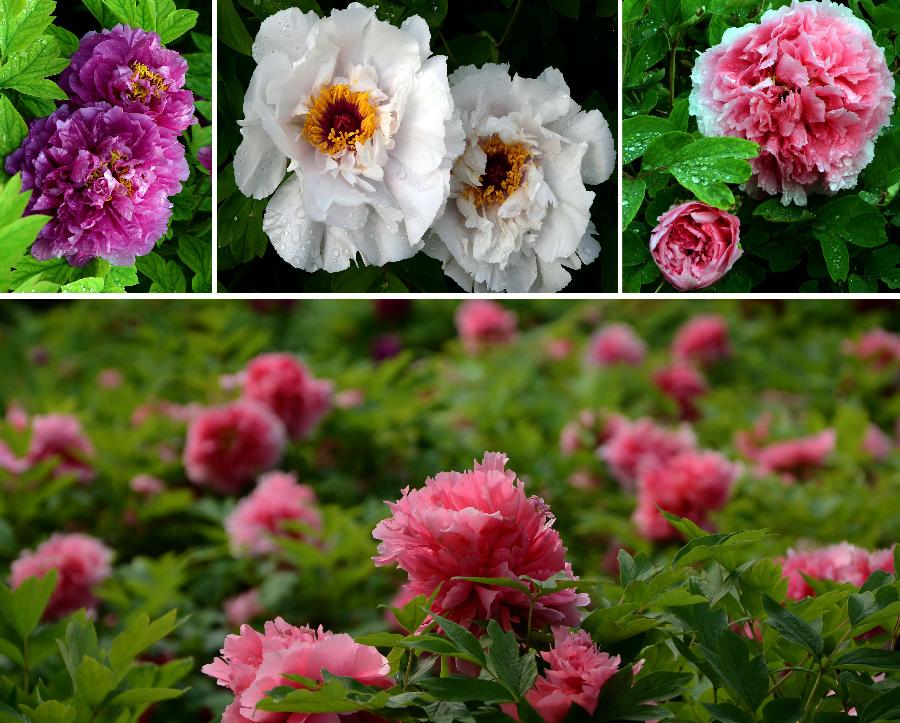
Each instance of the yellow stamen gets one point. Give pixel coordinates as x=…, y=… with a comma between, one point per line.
x=140, y=91
x=339, y=119
x=116, y=171
x=502, y=172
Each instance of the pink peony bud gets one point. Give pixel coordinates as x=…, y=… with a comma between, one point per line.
x=703, y=340
x=615, y=344
x=482, y=323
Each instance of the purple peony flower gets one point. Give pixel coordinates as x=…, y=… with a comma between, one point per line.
x=23, y=158
x=105, y=176
x=129, y=68
x=204, y=156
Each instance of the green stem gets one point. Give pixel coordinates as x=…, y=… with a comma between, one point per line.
x=808, y=708
x=25, y=665
x=447, y=46
x=672, y=71
x=512, y=21
x=445, y=667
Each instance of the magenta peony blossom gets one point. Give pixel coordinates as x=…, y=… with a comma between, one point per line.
x=878, y=346
x=683, y=383
x=482, y=323
x=793, y=457
x=478, y=523
x=254, y=663
x=615, y=344
x=23, y=158
x=634, y=445
x=695, y=245
x=288, y=388
x=810, y=85
x=228, y=446
x=60, y=437
x=576, y=673
x=241, y=609
x=703, y=340
x=9, y=461
x=840, y=563
x=105, y=176
x=81, y=562
x=689, y=485
x=268, y=511
x=204, y=157
x=385, y=346
x=129, y=68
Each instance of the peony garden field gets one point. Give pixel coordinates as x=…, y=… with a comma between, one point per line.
x=440, y=511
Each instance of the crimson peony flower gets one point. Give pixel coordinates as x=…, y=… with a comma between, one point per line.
x=689, y=485
x=695, y=245
x=810, y=85
x=703, y=340
x=130, y=68
x=840, y=563
x=228, y=446
x=615, y=344
x=60, y=437
x=104, y=176
x=633, y=445
x=482, y=323
x=266, y=512
x=478, y=523
x=288, y=388
x=81, y=562
x=254, y=663
x=683, y=383
x=792, y=457
x=241, y=609
x=576, y=673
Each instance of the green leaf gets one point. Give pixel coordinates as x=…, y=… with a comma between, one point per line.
x=705, y=167
x=12, y=127
x=633, y=190
x=793, y=628
x=330, y=698
x=459, y=688
x=716, y=547
x=240, y=223
x=36, y=62
x=93, y=681
x=21, y=23
x=472, y=49
x=24, y=606
x=851, y=220
x=230, y=28
x=87, y=285
x=837, y=257
x=745, y=674
x=462, y=638
x=144, y=696
x=503, y=659
x=52, y=711
x=639, y=132
x=166, y=276
x=119, y=277
x=196, y=254
x=869, y=659
x=568, y=8
x=432, y=12
x=776, y=212
x=137, y=637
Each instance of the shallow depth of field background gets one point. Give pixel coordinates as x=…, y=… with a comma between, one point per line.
x=432, y=407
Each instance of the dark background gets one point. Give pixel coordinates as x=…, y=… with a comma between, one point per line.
x=535, y=34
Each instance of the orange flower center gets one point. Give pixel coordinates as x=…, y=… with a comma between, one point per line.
x=339, y=119
x=144, y=82
x=502, y=172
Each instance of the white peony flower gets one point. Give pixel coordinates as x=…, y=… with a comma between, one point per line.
x=518, y=211
x=361, y=116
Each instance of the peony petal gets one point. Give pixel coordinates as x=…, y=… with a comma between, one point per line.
x=294, y=236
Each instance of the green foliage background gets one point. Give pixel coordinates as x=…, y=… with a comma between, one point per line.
x=37, y=38
x=432, y=408
x=576, y=36
x=848, y=242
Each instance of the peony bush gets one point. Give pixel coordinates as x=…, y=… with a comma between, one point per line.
x=793, y=102
x=407, y=145
x=107, y=174
x=170, y=552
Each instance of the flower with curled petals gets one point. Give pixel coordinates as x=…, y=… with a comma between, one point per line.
x=360, y=115
x=810, y=85
x=519, y=213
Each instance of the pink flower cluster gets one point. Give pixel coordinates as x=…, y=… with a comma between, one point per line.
x=576, y=672
x=269, y=511
x=810, y=85
x=254, y=663
x=635, y=445
x=878, y=346
x=702, y=341
x=839, y=563
x=478, y=523
x=791, y=458
x=81, y=562
x=241, y=609
x=57, y=437
x=685, y=384
x=482, y=323
x=615, y=344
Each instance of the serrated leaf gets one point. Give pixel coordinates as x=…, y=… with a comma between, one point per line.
x=792, y=627
x=87, y=285
x=24, y=606
x=12, y=127
x=458, y=688
x=21, y=23
x=639, y=132
x=633, y=190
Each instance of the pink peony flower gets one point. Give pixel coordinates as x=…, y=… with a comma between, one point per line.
x=703, y=340
x=81, y=563
x=254, y=663
x=559, y=349
x=695, y=245
x=840, y=563
x=482, y=323
x=350, y=399
x=633, y=445
x=288, y=388
x=880, y=347
x=576, y=673
x=110, y=379
x=688, y=485
x=615, y=344
x=60, y=437
x=793, y=457
x=876, y=444
x=241, y=609
x=807, y=83
x=9, y=461
x=228, y=446
x=17, y=417
x=683, y=383
x=147, y=485
x=478, y=523
x=268, y=511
